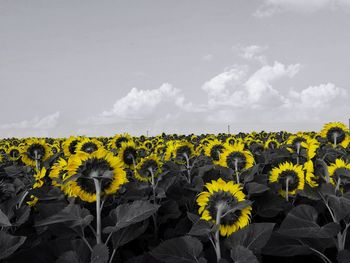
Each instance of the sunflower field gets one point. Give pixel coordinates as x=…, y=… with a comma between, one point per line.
x=243, y=198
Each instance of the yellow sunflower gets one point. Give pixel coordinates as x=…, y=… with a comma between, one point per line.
x=13, y=153
x=335, y=132
x=336, y=169
x=58, y=172
x=310, y=174
x=294, y=141
x=271, y=143
x=70, y=145
x=39, y=178
x=128, y=154
x=311, y=147
x=88, y=145
x=219, y=201
x=290, y=176
x=180, y=151
x=118, y=139
x=101, y=165
x=143, y=169
x=214, y=149
x=34, y=151
x=236, y=158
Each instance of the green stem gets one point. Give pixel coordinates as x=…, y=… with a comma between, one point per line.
x=154, y=216
x=287, y=189
x=98, y=210
x=188, y=168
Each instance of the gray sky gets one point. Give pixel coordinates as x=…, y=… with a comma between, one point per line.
x=105, y=67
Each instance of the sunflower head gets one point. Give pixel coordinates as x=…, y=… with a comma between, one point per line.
x=147, y=166
x=13, y=153
x=128, y=154
x=180, y=151
x=88, y=145
x=236, y=158
x=118, y=139
x=35, y=150
x=338, y=171
x=214, y=149
x=70, y=145
x=335, y=132
x=219, y=201
x=291, y=173
x=271, y=143
x=83, y=168
x=39, y=178
x=58, y=172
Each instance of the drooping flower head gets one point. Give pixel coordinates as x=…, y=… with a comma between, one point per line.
x=236, y=157
x=35, y=150
x=224, y=196
x=83, y=168
x=335, y=132
x=147, y=166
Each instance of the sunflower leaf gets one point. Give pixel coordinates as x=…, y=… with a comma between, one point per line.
x=182, y=249
x=4, y=221
x=240, y=254
x=128, y=214
x=9, y=244
x=100, y=254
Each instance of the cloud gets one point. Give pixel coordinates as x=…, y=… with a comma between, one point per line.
x=271, y=7
x=34, y=127
x=253, y=52
x=143, y=105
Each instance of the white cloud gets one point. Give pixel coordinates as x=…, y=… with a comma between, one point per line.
x=254, y=52
x=207, y=57
x=34, y=127
x=270, y=7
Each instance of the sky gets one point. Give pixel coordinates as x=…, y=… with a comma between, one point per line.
x=97, y=68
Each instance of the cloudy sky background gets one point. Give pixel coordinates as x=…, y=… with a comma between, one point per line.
x=104, y=67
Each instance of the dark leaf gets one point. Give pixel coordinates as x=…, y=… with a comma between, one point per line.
x=344, y=256
x=128, y=214
x=240, y=254
x=255, y=188
x=340, y=206
x=301, y=222
x=201, y=228
x=69, y=257
x=181, y=249
x=73, y=214
x=127, y=234
x=9, y=244
x=100, y=254
x=254, y=236
x=4, y=221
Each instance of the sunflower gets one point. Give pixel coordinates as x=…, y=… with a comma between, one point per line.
x=271, y=143
x=236, y=158
x=118, y=139
x=311, y=147
x=335, y=132
x=88, y=145
x=83, y=168
x=288, y=176
x=58, y=172
x=128, y=154
x=70, y=145
x=222, y=197
x=310, y=174
x=294, y=141
x=34, y=151
x=143, y=169
x=39, y=178
x=148, y=144
x=181, y=151
x=214, y=149
x=33, y=200
x=13, y=153
x=55, y=148
x=336, y=171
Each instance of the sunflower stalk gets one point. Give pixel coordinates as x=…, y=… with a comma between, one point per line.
x=154, y=216
x=98, y=210
x=335, y=136
x=220, y=208
x=37, y=165
x=298, y=152
x=188, y=168
x=338, y=185
x=287, y=188
x=236, y=171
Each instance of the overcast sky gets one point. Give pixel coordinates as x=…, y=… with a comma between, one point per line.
x=104, y=67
